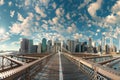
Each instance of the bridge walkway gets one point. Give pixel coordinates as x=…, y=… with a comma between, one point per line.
x=52, y=70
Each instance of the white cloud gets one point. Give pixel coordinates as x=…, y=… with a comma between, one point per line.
x=94, y=7
x=45, y=26
x=59, y=28
x=2, y=31
x=45, y=21
x=111, y=19
x=69, y=29
x=23, y=28
x=118, y=13
x=50, y=22
x=10, y=3
x=118, y=30
x=40, y=11
x=26, y=32
x=1, y=2
x=77, y=36
x=55, y=20
x=44, y=2
x=10, y=47
x=38, y=17
x=4, y=36
x=114, y=17
x=16, y=43
x=27, y=2
x=116, y=33
x=98, y=30
x=36, y=23
x=20, y=17
x=57, y=36
x=84, y=4
x=16, y=28
x=96, y=34
x=116, y=7
x=72, y=28
x=54, y=5
x=12, y=13
x=68, y=16
x=59, y=12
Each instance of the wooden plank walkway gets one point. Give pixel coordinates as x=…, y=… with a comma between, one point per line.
x=69, y=70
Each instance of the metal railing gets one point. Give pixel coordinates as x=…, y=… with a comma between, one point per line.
x=93, y=70
x=26, y=71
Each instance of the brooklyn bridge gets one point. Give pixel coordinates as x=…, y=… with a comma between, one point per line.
x=59, y=65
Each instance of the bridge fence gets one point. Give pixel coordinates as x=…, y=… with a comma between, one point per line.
x=27, y=71
x=94, y=71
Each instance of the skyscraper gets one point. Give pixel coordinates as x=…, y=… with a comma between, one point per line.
x=90, y=42
x=44, y=46
x=84, y=46
x=34, y=49
x=49, y=45
x=30, y=46
x=39, y=48
x=99, y=48
x=107, y=49
x=24, y=46
x=90, y=47
x=78, y=47
x=71, y=45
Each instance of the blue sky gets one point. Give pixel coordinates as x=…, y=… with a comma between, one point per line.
x=58, y=19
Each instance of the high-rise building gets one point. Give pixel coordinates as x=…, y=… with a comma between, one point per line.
x=44, y=46
x=99, y=48
x=24, y=46
x=84, y=46
x=107, y=49
x=90, y=47
x=78, y=47
x=49, y=45
x=90, y=42
x=71, y=45
x=30, y=46
x=34, y=49
x=39, y=48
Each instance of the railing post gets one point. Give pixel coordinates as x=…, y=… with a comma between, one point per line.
x=2, y=63
x=95, y=73
x=27, y=76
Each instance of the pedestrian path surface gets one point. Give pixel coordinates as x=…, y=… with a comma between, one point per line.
x=60, y=68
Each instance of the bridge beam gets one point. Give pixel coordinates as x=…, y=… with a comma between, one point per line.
x=15, y=61
x=112, y=64
x=107, y=61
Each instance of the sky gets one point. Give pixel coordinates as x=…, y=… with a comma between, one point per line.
x=58, y=19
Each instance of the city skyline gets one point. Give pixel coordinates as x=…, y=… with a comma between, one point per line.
x=59, y=19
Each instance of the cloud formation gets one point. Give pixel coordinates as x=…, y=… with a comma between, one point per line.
x=40, y=11
x=22, y=28
x=94, y=7
x=1, y=2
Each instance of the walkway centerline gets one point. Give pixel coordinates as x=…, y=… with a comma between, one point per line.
x=60, y=67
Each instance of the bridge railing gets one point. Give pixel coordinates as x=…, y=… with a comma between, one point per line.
x=93, y=70
x=27, y=71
